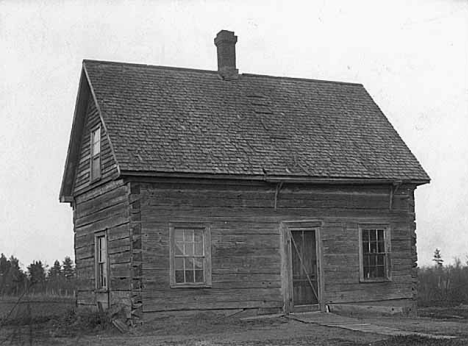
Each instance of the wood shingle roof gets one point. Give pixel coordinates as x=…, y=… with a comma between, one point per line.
x=168, y=120
x=173, y=121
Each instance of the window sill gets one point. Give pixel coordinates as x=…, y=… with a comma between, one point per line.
x=370, y=281
x=101, y=290
x=190, y=286
x=95, y=180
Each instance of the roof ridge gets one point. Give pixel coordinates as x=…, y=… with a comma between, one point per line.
x=302, y=79
x=148, y=66
x=216, y=72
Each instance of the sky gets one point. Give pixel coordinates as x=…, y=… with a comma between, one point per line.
x=411, y=55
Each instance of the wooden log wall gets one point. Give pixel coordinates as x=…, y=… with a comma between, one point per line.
x=105, y=208
x=245, y=233
x=108, y=165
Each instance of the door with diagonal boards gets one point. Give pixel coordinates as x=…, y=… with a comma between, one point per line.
x=301, y=273
x=303, y=250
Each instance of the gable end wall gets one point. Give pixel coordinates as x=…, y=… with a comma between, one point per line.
x=104, y=209
x=108, y=164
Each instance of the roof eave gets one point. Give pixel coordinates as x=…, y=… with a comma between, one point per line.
x=73, y=145
x=66, y=199
x=272, y=179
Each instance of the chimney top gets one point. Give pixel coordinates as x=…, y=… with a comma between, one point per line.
x=225, y=41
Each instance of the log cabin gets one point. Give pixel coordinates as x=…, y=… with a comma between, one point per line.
x=198, y=190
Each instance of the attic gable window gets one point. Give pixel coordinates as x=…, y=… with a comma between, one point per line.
x=190, y=256
x=374, y=253
x=95, y=154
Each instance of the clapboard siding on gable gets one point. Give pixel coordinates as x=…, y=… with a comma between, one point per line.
x=245, y=241
x=108, y=165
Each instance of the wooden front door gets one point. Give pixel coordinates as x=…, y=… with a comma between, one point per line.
x=304, y=270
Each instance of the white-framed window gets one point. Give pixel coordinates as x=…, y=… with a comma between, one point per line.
x=95, y=154
x=101, y=261
x=190, y=262
x=374, y=253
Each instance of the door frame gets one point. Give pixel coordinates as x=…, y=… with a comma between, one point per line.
x=286, y=260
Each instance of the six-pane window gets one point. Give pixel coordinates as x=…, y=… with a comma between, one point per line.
x=96, y=154
x=374, y=264
x=189, y=256
x=101, y=262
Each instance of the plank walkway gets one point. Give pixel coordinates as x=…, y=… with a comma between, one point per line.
x=336, y=321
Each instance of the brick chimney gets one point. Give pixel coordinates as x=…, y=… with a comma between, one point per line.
x=225, y=41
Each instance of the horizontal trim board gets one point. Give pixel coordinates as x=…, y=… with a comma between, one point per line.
x=271, y=179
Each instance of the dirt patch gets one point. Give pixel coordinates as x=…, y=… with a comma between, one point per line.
x=204, y=330
x=417, y=341
x=445, y=313
x=212, y=330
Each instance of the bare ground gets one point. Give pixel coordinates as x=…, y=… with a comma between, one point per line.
x=207, y=330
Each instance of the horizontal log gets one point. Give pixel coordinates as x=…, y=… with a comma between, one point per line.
x=104, y=224
x=161, y=187
x=120, y=257
x=188, y=295
x=118, y=232
x=359, y=296
x=238, y=250
x=236, y=284
x=230, y=240
x=120, y=209
x=119, y=249
x=121, y=270
x=157, y=306
x=367, y=287
x=98, y=191
x=286, y=199
x=106, y=200
x=252, y=262
x=267, y=215
x=85, y=251
x=224, y=277
x=338, y=259
x=120, y=283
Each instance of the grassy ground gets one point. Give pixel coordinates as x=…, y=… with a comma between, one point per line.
x=445, y=312
x=55, y=322
x=36, y=306
x=418, y=341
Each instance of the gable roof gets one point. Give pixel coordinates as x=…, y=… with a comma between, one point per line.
x=163, y=120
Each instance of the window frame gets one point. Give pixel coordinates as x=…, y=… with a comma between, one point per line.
x=93, y=156
x=206, y=231
x=387, y=252
x=97, y=262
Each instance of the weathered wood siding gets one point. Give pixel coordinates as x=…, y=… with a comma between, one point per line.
x=245, y=233
x=108, y=165
x=105, y=208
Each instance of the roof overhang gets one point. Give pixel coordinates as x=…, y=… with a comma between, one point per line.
x=74, y=143
x=275, y=179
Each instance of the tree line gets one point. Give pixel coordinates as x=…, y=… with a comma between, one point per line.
x=443, y=284
x=38, y=278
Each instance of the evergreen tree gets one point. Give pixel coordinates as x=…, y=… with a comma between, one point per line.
x=55, y=279
x=68, y=270
x=12, y=278
x=4, y=264
x=438, y=258
x=36, y=272
x=55, y=271
x=17, y=276
x=4, y=270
